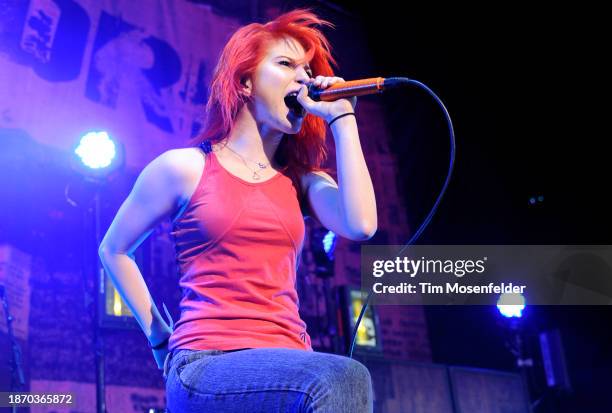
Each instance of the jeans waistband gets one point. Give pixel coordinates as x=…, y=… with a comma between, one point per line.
x=185, y=356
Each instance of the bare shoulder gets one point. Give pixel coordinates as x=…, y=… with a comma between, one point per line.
x=182, y=162
x=186, y=166
x=158, y=193
x=178, y=166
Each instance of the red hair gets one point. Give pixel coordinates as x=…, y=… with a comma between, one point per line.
x=306, y=150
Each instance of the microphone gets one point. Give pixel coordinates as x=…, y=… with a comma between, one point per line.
x=348, y=89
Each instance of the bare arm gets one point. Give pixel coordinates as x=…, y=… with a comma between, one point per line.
x=156, y=196
x=347, y=208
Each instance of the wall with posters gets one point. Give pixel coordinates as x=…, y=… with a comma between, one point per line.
x=142, y=74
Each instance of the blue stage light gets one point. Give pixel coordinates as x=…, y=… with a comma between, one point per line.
x=329, y=243
x=96, y=150
x=511, y=305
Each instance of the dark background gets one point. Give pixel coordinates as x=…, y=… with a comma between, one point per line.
x=523, y=85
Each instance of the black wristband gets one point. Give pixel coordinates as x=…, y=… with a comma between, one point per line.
x=160, y=345
x=341, y=116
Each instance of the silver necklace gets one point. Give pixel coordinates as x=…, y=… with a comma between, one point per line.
x=261, y=165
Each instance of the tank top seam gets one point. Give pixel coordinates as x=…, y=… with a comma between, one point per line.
x=280, y=220
x=215, y=241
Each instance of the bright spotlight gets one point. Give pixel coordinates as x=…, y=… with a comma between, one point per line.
x=96, y=150
x=511, y=305
x=329, y=243
x=97, y=156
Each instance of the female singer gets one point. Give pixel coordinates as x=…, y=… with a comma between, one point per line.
x=237, y=200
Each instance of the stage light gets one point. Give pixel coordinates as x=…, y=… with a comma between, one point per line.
x=322, y=245
x=96, y=150
x=97, y=155
x=329, y=244
x=536, y=199
x=511, y=305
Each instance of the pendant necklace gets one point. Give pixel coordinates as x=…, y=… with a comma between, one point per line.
x=261, y=165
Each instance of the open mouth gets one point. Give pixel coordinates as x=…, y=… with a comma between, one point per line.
x=294, y=106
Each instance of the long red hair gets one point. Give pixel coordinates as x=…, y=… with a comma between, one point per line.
x=300, y=153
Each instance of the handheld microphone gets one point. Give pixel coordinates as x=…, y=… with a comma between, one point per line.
x=348, y=89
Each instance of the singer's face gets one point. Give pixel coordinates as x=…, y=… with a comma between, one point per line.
x=280, y=72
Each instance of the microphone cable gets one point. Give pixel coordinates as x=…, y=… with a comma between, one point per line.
x=395, y=82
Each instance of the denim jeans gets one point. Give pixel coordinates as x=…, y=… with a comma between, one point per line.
x=266, y=380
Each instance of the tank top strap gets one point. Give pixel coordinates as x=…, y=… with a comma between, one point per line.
x=210, y=162
x=206, y=146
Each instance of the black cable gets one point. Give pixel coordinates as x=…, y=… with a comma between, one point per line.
x=394, y=82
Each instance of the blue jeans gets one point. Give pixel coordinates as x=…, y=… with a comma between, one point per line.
x=266, y=380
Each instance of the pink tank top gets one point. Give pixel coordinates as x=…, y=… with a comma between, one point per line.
x=238, y=246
